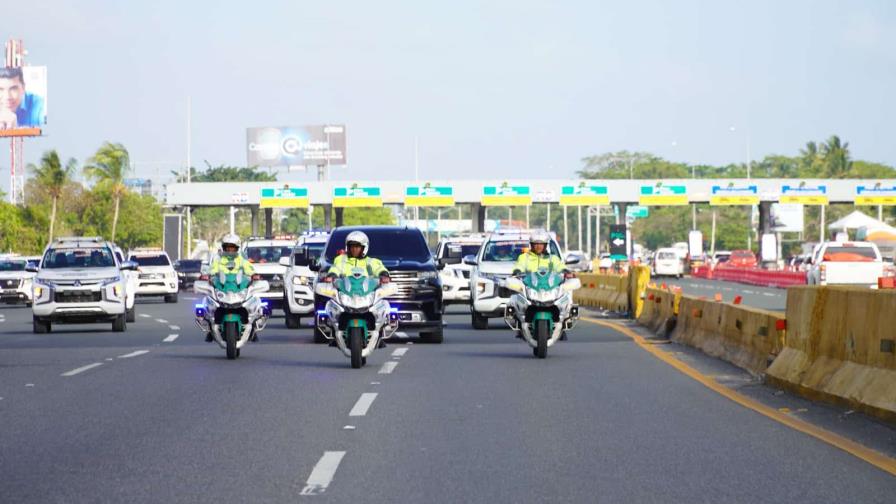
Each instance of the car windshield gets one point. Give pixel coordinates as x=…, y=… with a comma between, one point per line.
x=151, y=260
x=12, y=265
x=459, y=250
x=385, y=244
x=314, y=250
x=849, y=254
x=78, y=258
x=666, y=255
x=189, y=265
x=267, y=254
x=742, y=255
x=510, y=250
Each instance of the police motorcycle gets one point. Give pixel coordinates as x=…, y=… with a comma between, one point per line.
x=231, y=310
x=541, y=308
x=357, y=315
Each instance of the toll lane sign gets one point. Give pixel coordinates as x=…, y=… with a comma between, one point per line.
x=660, y=194
x=733, y=194
x=876, y=195
x=506, y=195
x=584, y=195
x=804, y=194
x=354, y=197
x=618, y=242
x=284, y=197
x=429, y=196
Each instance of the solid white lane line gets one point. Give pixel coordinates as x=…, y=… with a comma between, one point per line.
x=81, y=369
x=144, y=315
x=161, y=321
x=400, y=334
x=360, y=408
x=323, y=472
x=133, y=354
x=170, y=338
x=174, y=328
x=388, y=367
x=398, y=352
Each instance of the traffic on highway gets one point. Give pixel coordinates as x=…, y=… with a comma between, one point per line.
x=465, y=252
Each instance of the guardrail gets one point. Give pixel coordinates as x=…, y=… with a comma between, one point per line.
x=751, y=276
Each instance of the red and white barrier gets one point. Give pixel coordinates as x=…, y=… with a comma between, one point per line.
x=752, y=276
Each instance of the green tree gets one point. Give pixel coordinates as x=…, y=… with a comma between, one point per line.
x=53, y=176
x=108, y=167
x=836, y=158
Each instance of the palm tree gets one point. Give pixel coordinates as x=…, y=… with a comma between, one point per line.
x=109, y=166
x=53, y=177
x=836, y=157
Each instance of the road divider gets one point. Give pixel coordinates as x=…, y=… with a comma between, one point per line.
x=840, y=348
x=834, y=344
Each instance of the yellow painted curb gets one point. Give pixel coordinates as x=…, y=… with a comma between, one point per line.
x=862, y=452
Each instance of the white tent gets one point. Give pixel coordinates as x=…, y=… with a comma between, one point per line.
x=855, y=220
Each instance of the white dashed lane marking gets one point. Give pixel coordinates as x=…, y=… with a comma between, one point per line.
x=398, y=352
x=161, y=321
x=174, y=328
x=133, y=354
x=144, y=315
x=388, y=367
x=170, y=338
x=323, y=472
x=81, y=369
x=360, y=408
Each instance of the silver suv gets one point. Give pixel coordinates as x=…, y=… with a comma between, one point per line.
x=298, y=296
x=80, y=280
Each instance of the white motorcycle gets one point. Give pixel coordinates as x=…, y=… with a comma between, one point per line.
x=542, y=308
x=231, y=310
x=357, y=316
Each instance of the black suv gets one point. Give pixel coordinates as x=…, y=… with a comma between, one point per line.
x=410, y=263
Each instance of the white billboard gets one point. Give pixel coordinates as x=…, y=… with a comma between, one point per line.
x=787, y=218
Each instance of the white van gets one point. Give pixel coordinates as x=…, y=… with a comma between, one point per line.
x=668, y=262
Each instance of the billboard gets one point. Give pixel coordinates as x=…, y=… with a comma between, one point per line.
x=296, y=146
x=787, y=218
x=23, y=100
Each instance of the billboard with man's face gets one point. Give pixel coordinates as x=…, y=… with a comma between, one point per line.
x=23, y=98
x=296, y=146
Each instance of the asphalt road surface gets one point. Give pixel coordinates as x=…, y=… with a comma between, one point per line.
x=158, y=415
x=768, y=298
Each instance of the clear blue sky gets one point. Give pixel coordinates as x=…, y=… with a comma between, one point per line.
x=496, y=89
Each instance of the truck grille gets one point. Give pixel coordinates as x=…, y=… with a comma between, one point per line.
x=12, y=283
x=407, y=283
x=82, y=296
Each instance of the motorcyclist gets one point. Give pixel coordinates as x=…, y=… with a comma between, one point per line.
x=356, y=246
x=538, y=257
x=230, y=262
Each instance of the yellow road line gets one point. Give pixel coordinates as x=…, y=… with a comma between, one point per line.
x=873, y=457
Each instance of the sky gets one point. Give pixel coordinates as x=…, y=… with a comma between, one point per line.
x=501, y=89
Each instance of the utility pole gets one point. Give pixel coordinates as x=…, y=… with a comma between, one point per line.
x=189, y=174
x=712, y=246
x=565, y=229
x=588, y=234
x=579, y=220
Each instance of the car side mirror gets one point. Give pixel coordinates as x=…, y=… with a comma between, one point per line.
x=284, y=261
x=301, y=260
x=30, y=267
x=129, y=266
x=573, y=259
x=470, y=260
x=314, y=266
x=442, y=263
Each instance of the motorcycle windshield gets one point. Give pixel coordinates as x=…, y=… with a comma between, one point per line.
x=543, y=280
x=231, y=282
x=357, y=284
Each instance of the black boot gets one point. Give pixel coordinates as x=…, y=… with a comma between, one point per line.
x=208, y=337
x=563, y=336
x=381, y=344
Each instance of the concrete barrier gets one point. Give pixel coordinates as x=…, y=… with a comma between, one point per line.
x=747, y=337
x=660, y=310
x=610, y=292
x=841, y=348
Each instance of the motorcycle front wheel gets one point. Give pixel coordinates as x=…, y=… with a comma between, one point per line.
x=355, y=344
x=541, y=338
x=230, y=336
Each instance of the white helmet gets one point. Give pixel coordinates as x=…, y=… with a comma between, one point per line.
x=540, y=237
x=230, y=239
x=360, y=238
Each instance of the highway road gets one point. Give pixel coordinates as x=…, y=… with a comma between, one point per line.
x=768, y=298
x=158, y=415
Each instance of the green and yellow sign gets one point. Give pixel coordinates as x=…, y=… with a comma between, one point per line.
x=284, y=197
x=584, y=195
x=506, y=195
x=660, y=194
x=357, y=197
x=429, y=196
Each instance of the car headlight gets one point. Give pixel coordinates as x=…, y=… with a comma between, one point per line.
x=37, y=291
x=300, y=280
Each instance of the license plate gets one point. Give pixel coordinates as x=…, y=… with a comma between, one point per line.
x=9, y=291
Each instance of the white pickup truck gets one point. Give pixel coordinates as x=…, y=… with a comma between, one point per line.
x=846, y=263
